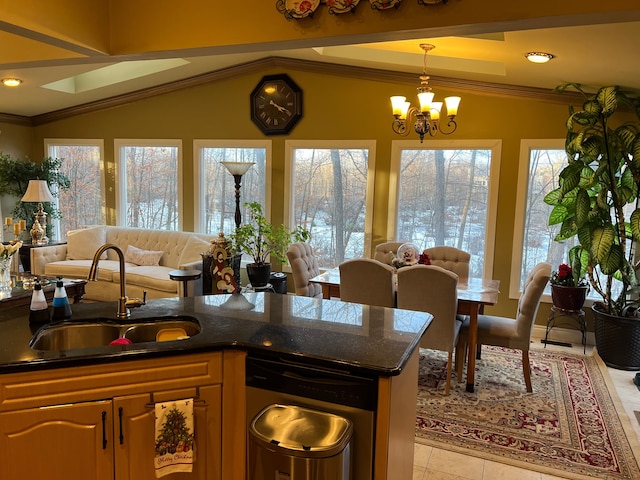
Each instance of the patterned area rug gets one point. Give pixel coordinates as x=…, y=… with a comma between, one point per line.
x=568, y=427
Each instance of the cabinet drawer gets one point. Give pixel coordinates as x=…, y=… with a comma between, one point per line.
x=77, y=384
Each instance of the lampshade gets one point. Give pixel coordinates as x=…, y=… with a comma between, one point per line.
x=237, y=168
x=37, y=191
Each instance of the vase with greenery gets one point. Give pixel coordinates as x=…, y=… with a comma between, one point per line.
x=597, y=202
x=14, y=178
x=261, y=240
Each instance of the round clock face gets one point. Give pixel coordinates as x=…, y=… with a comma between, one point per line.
x=276, y=104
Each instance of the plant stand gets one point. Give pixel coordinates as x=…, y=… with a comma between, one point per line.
x=571, y=317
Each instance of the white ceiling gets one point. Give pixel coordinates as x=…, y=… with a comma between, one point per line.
x=593, y=55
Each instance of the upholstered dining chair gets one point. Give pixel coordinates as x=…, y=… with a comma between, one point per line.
x=433, y=289
x=304, y=266
x=452, y=259
x=384, y=252
x=509, y=332
x=368, y=281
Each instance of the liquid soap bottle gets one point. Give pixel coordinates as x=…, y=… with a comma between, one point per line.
x=61, y=308
x=39, y=310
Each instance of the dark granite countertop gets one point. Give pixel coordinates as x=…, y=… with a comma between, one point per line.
x=327, y=333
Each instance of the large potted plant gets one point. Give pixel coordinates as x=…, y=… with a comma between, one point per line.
x=597, y=202
x=258, y=238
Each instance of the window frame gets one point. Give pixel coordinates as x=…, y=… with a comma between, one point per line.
x=79, y=142
x=121, y=169
x=526, y=146
x=370, y=145
x=198, y=174
x=495, y=145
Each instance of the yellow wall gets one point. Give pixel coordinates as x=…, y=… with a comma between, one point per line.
x=335, y=107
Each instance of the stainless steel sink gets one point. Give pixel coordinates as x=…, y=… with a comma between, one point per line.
x=147, y=332
x=77, y=334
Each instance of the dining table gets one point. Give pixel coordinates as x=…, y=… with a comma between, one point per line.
x=473, y=296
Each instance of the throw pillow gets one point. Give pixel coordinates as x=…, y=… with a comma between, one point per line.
x=82, y=244
x=141, y=257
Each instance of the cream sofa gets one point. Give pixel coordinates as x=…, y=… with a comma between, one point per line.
x=147, y=266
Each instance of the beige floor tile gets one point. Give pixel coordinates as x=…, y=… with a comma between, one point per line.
x=500, y=471
x=456, y=464
x=430, y=475
x=418, y=472
x=421, y=454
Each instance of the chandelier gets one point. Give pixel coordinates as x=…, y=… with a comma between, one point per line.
x=427, y=117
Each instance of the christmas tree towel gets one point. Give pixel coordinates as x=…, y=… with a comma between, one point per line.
x=174, y=437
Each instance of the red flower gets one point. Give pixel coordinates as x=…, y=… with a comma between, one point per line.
x=424, y=259
x=565, y=271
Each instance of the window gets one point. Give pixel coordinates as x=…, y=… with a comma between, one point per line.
x=540, y=163
x=148, y=183
x=330, y=192
x=445, y=193
x=215, y=187
x=83, y=204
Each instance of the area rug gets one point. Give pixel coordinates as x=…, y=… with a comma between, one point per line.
x=568, y=426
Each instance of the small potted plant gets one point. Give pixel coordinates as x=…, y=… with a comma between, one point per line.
x=261, y=240
x=569, y=288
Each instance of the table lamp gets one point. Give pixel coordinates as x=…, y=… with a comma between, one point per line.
x=38, y=192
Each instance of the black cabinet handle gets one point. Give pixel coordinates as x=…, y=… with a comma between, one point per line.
x=104, y=430
x=120, y=422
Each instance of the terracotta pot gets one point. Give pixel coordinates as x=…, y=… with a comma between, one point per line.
x=617, y=340
x=568, y=298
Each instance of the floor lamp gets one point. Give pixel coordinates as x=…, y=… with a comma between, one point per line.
x=237, y=169
x=38, y=192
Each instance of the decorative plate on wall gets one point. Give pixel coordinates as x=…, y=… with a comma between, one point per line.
x=341, y=6
x=384, y=4
x=297, y=8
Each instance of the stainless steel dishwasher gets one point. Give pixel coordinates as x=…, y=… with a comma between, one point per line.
x=271, y=379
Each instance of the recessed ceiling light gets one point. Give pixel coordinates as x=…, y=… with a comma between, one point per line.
x=11, y=82
x=539, y=57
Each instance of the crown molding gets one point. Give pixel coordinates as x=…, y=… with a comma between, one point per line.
x=481, y=88
x=15, y=119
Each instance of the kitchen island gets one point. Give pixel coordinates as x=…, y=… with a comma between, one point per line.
x=210, y=365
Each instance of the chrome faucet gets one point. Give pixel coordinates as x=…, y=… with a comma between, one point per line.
x=124, y=304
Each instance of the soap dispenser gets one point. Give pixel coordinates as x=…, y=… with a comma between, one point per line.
x=61, y=308
x=39, y=310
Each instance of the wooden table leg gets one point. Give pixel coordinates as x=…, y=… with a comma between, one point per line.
x=472, y=346
x=326, y=291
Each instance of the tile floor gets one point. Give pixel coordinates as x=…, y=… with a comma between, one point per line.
x=431, y=463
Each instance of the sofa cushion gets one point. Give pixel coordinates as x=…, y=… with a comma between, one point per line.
x=192, y=250
x=82, y=244
x=139, y=256
x=80, y=269
x=154, y=277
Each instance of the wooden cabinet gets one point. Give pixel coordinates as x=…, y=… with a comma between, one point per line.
x=57, y=443
x=105, y=429
x=134, y=434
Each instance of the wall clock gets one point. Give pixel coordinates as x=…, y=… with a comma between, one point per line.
x=276, y=104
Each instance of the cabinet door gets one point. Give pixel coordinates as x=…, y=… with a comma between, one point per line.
x=57, y=443
x=134, y=433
